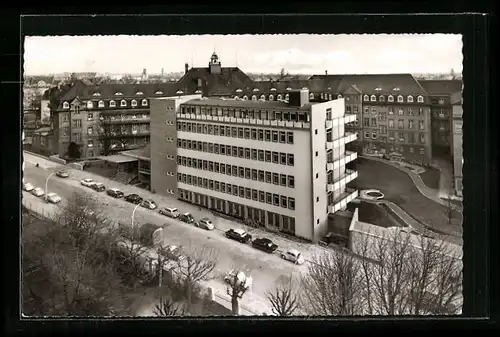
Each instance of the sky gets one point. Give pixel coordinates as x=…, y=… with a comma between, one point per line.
x=297, y=54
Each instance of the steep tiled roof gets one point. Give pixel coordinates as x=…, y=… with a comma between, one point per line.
x=230, y=78
x=373, y=83
x=441, y=86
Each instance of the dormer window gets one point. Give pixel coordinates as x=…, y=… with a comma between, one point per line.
x=279, y=97
x=390, y=98
x=339, y=96
x=373, y=98
x=112, y=104
x=262, y=97
x=118, y=94
x=288, y=88
x=96, y=94
x=100, y=104
x=198, y=92
x=123, y=102
x=133, y=103
x=245, y=98
x=271, y=97
x=366, y=98
x=239, y=90
x=395, y=89
x=254, y=98
x=159, y=92
x=311, y=95
x=287, y=97
x=236, y=98
x=255, y=90
x=378, y=89
x=420, y=99
x=65, y=105
x=144, y=102
x=400, y=99
x=90, y=105
x=179, y=92
x=273, y=89
x=381, y=98
x=410, y=99
x=139, y=93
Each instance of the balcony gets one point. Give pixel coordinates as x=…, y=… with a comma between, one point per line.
x=350, y=118
x=249, y=121
x=343, y=180
x=328, y=123
x=145, y=170
x=347, y=158
x=125, y=120
x=135, y=133
x=342, y=201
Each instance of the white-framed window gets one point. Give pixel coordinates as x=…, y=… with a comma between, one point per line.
x=179, y=92
x=90, y=143
x=339, y=96
x=409, y=99
x=287, y=97
x=374, y=135
x=279, y=97
x=395, y=89
x=96, y=94
x=263, y=97
x=420, y=99
x=112, y=104
x=254, y=98
x=100, y=104
x=133, y=103
x=400, y=99
x=311, y=95
x=255, y=90
x=304, y=88
x=90, y=116
x=139, y=93
x=245, y=98
x=378, y=89
x=373, y=98
x=381, y=98
x=366, y=98
x=236, y=97
x=118, y=93
x=271, y=97
x=390, y=98
x=321, y=95
x=159, y=92
x=273, y=89
x=288, y=89
x=144, y=102
x=65, y=105
x=123, y=102
x=367, y=134
x=239, y=90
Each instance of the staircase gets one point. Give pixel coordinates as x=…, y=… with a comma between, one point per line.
x=123, y=177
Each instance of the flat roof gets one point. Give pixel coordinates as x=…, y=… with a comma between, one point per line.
x=245, y=104
x=118, y=159
x=143, y=153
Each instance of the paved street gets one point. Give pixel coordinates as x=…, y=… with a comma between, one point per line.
x=264, y=268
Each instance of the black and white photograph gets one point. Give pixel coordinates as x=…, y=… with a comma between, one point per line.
x=242, y=175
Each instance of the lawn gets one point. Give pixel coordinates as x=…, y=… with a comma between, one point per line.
x=399, y=188
x=431, y=178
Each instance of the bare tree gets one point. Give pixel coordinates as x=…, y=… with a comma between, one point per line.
x=237, y=287
x=331, y=285
x=198, y=265
x=284, y=298
x=449, y=208
x=167, y=307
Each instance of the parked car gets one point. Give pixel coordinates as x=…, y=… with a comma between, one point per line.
x=99, y=187
x=240, y=276
x=115, y=193
x=174, y=253
x=238, y=234
x=293, y=255
x=53, y=198
x=28, y=187
x=37, y=192
x=205, y=223
x=62, y=174
x=133, y=198
x=149, y=204
x=265, y=245
x=186, y=217
x=169, y=211
x=87, y=182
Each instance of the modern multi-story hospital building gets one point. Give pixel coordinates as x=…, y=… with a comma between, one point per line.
x=280, y=163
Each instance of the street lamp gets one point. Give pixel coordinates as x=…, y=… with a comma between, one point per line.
x=46, y=184
x=133, y=216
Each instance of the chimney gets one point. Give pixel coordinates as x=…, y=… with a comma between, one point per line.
x=186, y=68
x=326, y=72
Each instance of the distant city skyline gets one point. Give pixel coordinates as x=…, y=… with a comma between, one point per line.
x=297, y=54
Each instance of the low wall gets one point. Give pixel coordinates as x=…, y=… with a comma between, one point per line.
x=56, y=159
x=77, y=166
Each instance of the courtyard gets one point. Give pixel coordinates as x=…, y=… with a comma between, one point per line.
x=398, y=188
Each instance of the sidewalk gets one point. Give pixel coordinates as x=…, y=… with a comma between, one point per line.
x=446, y=177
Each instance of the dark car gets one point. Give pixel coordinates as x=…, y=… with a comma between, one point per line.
x=265, y=245
x=99, y=187
x=133, y=198
x=114, y=192
x=238, y=235
x=186, y=217
x=62, y=174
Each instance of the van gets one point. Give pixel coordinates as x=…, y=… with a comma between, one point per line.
x=171, y=212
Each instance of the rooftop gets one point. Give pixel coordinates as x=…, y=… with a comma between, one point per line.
x=441, y=86
x=140, y=153
x=245, y=104
x=118, y=159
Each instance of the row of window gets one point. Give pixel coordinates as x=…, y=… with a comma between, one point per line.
x=390, y=98
x=400, y=149
x=238, y=171
x=238, y=191
x=235, y=132
x=111, y=104
x=245, y=113
x=390, y=111
x=409, y=137
x=240, y=152
x=372, y=122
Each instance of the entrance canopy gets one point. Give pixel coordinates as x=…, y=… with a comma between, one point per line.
x=118, y=159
